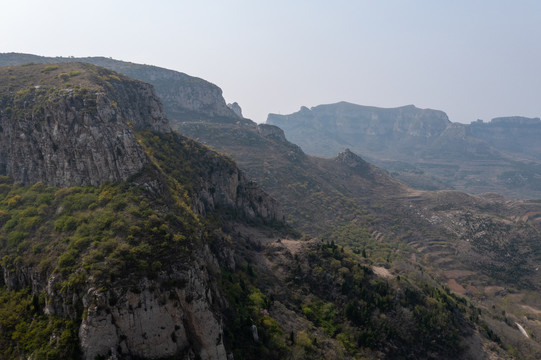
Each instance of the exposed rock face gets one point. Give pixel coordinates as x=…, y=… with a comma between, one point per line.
x=148, y=320
x=271, y=131
x=153, y=323
x=515, y=134
x=515, y=120
x=183, y=96
x=68, y=136
x=225, y=186
x=350, y=159
x=236, y=109
x=423, y=148
x=73, y=136
x=331, y=127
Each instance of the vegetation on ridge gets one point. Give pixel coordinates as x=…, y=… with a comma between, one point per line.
x=309, y=300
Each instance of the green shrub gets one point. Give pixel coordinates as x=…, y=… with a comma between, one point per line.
x=16, y=237
x=49, y=68
x=66, y=224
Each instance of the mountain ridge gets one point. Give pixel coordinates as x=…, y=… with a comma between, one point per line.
x=103, y=152
x=123, y=267
x=423, y=148
x=182, y=95
x=369, y=288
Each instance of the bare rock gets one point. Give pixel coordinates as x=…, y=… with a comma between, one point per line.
x=75, y=136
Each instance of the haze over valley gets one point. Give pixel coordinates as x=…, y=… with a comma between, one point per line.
x=247, y=180
x=298, y=256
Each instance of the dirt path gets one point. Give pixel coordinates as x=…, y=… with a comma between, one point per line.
x=381, y=271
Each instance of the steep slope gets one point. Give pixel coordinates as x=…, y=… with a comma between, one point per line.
x=515, y=135
x=474, y=244
x=70, y=125
x=182, y=95
x=122, y=269
x=387, y=132
x=423, y=148
x=185, y=258
x=298, y=181
x=342, y=200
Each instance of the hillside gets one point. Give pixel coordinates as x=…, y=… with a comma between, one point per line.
x=182, y=256
x=392, y=225
x=182, y=95
x=472, y=244
x=99, y=251
x=423, y=148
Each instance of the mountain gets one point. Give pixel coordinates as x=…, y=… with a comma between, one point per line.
x=473, y=244
x=386, y=131
x=514, y=135
x=54, y=144
x=123, y=239
x=371, y=287
x=100, y=234
x=181, y=95
x=423, y=148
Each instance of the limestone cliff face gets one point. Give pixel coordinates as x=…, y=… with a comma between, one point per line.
x=514, y=135
x=149, y=319
x=327, y=129
x=152, y=322
x=345, y=117
x=86, y=134
x=67, y=136
x=180, y=93
x=236, y=109
x=184, y=97
x=224, y=186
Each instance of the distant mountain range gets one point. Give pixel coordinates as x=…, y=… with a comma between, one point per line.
x=423, y=148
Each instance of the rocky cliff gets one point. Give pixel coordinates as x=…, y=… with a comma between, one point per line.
x=330, y=128
x=515, y=135
x=77, y=124
x=236, y=109
x=184, y=97
x=153, y=321
x=73, y=125
x=228, y=187
x=423, y=148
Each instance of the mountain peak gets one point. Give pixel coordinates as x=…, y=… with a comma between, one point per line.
x=352, y=160
x=236, y=109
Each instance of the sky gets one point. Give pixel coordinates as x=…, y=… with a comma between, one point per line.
x=472, y=59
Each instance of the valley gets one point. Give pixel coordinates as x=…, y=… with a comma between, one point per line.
x=325, y=257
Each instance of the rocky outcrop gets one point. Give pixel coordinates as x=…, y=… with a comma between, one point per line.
x=326, y=129
x=152, y=322
x=515, y=120
x=224, y=186
x=271, y=132
x=367, y=120
x=88, y=132
x=351, y=160
x=236, y=109
x=67, y=136
x=149, y=319
x=515, y=135
x=354, y=164
x=183, y=96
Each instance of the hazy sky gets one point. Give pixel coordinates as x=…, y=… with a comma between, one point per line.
x=471, y=59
